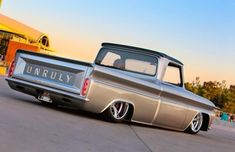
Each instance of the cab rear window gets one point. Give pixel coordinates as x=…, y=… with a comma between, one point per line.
x=128, y=61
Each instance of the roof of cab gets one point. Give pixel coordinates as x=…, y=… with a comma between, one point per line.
x=137, y=49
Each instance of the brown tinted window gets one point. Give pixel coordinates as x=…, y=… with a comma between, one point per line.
x=128, y=61
x=173, y=75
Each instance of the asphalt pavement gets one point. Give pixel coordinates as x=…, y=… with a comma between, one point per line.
x=28, y=126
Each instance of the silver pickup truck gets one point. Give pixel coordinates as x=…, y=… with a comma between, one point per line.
x=124, y=83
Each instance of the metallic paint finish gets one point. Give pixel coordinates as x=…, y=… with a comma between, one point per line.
x=154, y=102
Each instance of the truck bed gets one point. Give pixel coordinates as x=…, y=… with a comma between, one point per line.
x=36, y=73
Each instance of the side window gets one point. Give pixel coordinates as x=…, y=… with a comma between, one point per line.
x=139, y=66
x=173, y=75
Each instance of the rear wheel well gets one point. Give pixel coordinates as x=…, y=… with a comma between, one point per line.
x=205, y=123
x=118, y=111
x=130, y=112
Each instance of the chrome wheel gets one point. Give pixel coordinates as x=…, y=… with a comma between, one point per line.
x=196, y=123
x=119, y=110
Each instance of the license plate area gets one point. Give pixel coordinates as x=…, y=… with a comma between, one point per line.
x=45, y=96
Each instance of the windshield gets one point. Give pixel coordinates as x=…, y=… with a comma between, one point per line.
x=127, y=61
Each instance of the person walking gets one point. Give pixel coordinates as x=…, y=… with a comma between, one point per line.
x=224, y=116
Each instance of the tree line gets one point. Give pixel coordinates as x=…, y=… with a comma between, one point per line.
x=219, y=93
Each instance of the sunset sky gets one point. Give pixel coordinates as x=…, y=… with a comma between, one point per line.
x=200, y=33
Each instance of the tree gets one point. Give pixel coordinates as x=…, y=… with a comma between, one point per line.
x=217, y=92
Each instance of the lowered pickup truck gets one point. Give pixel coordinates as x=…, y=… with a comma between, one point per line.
x=124, y=83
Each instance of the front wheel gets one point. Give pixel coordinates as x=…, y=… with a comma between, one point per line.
x=195, y=125
x=117, y=111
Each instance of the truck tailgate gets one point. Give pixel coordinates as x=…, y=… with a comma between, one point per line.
x=50, y=71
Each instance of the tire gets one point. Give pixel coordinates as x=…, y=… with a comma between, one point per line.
x=116, y=112
x=195, y=124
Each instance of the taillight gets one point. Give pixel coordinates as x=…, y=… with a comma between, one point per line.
x=85, y=87
x=11, y=69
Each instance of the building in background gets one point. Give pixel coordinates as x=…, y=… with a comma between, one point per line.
x=15, y=35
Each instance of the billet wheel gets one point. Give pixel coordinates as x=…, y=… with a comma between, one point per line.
x=117, y=111
x=196, y=124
